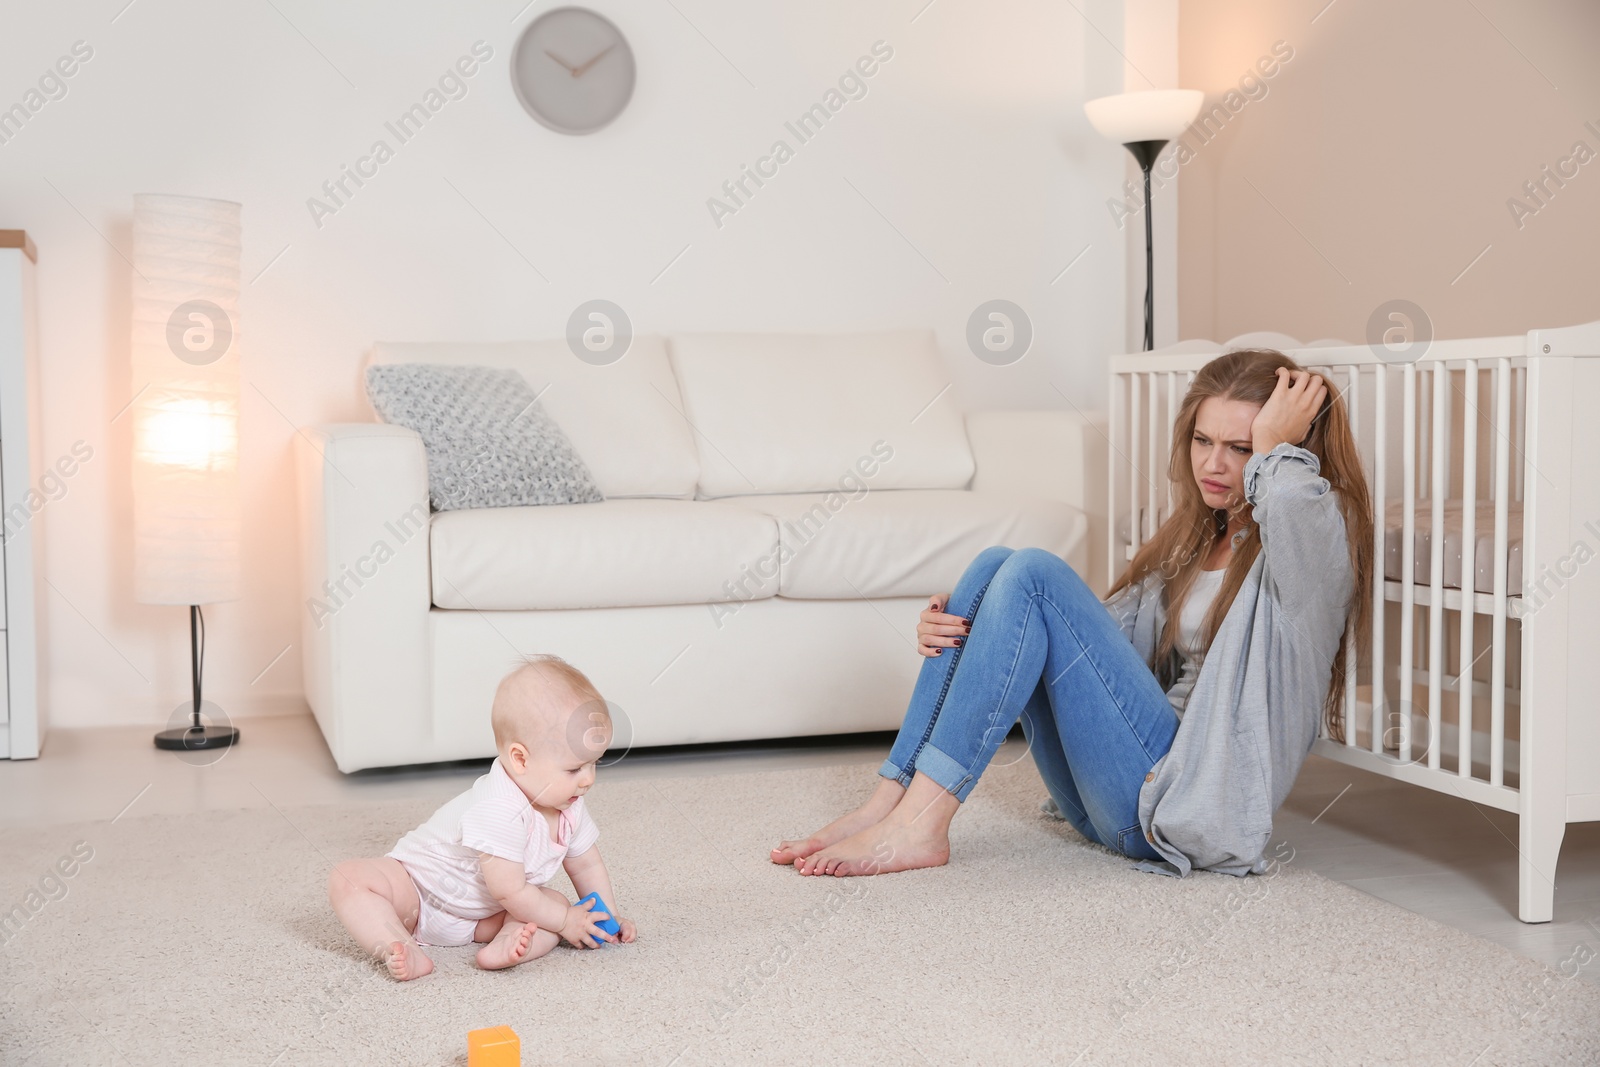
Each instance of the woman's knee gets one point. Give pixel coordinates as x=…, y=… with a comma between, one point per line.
x=976, y=578
x=1036, y=568
x=986, y=563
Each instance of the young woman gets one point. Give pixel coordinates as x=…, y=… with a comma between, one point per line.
x=1230, y=623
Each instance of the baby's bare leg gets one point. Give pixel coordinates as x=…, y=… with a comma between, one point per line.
x=486, y=929
x=519, y=942
x=378, y=905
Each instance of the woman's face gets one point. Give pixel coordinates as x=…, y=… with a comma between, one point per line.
x=1219, y=449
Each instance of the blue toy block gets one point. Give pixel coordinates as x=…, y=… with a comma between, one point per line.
x=609, y=925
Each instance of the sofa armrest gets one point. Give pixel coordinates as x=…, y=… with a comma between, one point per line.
x=363, y=492
x=1057, y=455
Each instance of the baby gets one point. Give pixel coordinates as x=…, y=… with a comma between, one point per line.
x=475, y=872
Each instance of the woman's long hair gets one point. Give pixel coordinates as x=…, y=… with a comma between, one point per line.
x=1181, y=546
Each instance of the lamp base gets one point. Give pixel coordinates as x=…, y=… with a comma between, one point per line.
x=197, y=738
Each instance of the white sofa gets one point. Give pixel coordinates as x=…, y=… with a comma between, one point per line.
x=778, y=508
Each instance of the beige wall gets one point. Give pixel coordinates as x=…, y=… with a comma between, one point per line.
x=1377, y=163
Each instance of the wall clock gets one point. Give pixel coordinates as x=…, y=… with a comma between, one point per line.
x=573, y=70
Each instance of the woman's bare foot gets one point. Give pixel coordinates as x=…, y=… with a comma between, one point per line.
x=880, y=804
x=508, y=947
x=915, y=834
x=406, y=961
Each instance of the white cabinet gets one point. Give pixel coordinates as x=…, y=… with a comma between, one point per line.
x=22, y=704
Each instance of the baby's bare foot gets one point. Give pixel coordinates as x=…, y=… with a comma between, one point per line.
x=508, y=946
x=406, y=961
x=895, y=844
x=867, y=815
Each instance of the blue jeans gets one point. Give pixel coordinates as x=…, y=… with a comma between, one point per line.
x=1045, y=650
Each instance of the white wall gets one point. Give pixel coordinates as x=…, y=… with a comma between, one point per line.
x=971, y=141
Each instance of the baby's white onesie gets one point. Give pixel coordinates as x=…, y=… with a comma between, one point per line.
x=494, y=816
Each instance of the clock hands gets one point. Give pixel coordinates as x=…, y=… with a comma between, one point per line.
x=579, y=71
x=571, y=69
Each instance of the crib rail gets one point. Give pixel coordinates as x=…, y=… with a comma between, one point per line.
x=1435, y=687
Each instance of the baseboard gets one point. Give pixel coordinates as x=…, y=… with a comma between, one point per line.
x=236, y=705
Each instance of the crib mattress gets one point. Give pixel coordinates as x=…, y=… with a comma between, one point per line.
x=1483, y=535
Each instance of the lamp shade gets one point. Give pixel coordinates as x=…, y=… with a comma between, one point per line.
x=185, y=411
x=1152, y=115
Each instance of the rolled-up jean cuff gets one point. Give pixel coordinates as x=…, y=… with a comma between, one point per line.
x=956, y=779
x=894, y=773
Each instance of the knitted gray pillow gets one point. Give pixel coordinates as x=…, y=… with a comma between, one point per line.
x=489, y=443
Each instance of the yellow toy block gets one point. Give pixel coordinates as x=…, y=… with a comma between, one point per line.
x=498, y=1046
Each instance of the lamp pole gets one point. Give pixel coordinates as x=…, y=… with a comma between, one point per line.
x=197, y=735
x=1145, y=153
x=1144, y=123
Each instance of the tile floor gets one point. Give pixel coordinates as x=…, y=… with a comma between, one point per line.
x=1432, y=854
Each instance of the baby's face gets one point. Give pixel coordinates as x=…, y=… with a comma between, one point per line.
x=556, y=779
x=557, y=765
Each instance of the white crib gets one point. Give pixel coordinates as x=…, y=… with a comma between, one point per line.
x=1483, y=457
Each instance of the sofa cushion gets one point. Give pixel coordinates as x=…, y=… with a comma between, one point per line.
x=903, y=542
x=785, y=413
x=620, y=553
x=624, y=418
x=489, y=443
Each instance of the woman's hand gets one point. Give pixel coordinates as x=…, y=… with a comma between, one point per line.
x=1289, y=411
x=938, y=631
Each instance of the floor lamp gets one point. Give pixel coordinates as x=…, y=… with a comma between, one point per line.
x=1143, y=123
x=185, y=361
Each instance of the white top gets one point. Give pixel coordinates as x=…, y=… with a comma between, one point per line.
x=1190, y=622
x=496, y=817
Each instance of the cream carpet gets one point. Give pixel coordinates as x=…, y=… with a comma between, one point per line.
x=208, y=940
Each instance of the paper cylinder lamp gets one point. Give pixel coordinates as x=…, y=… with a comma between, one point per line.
x=185, y=410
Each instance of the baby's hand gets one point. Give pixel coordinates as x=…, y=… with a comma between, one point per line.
x=628, y=932
x=582, y=926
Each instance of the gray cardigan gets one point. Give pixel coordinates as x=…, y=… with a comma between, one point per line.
x=1256, y=705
